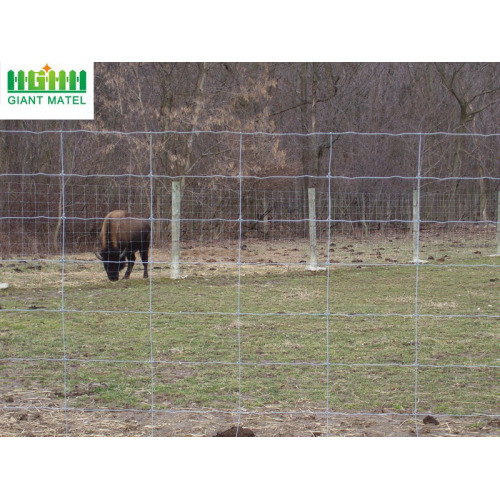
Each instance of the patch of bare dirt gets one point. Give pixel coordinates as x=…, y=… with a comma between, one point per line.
x=36, y=414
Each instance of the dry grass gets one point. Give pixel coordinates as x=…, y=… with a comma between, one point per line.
x=269, y=423
x=110, y=399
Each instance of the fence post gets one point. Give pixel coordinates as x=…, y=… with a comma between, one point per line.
x=265, y=225
x=498, y=225
x=416, y=228
x=176, y=229
x=313, y=259
x=415, y=231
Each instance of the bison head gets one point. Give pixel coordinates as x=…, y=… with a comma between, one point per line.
x=114, y=262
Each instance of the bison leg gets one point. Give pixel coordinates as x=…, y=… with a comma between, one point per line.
x=144, y=258
x=130, y=265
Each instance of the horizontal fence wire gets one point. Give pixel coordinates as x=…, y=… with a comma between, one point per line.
x=238, y=134
x=48, y=217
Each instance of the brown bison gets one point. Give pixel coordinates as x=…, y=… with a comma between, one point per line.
x=122, y=234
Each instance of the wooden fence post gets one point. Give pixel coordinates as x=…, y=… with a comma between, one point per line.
x=176, y=229
x=497, y=254
x=313, y=259
x=498, y=224
x=415, y=228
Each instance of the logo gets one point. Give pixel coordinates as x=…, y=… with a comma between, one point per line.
x=51, y=92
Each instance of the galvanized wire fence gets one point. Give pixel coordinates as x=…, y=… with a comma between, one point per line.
x=243, y=188
x=30, y=213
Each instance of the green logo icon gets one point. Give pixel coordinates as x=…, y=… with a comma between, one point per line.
x=46, y=81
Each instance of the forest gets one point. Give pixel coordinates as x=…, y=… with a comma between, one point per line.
x=300, y=122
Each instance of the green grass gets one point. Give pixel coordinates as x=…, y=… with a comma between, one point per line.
x=282, y=335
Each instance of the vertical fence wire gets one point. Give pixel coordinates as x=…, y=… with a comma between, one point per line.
x=417, y=269
x=328, y=264
x=240, y=244
x=151, y=270
x=63, y=274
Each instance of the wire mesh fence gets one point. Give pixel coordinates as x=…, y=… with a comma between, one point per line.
x=398, y=323
x=30, y=213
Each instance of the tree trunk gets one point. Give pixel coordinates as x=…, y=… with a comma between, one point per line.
x=198, y=102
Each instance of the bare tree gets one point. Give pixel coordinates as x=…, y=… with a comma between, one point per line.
x=475, y=88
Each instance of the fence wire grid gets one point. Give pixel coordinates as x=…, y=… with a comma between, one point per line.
x=280, y=345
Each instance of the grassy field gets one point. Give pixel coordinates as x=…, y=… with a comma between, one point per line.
x=255, y=339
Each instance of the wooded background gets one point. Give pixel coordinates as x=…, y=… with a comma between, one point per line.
x=107, y=171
